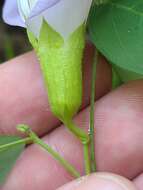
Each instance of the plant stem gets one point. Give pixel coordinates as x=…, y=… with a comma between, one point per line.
x=85, y=140
x=21, y=141
x=92, y=110
x=61, y=160
x=86, y=158
x=116, y=81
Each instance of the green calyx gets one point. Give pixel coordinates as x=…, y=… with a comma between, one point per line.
x=61, y=64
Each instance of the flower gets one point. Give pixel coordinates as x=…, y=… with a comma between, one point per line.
x=56, y=30
x=64, y=16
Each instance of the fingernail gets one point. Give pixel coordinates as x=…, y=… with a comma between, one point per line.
x=121, y=182
x=102, y=181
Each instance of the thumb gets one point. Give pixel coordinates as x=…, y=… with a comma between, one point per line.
x=98, y=181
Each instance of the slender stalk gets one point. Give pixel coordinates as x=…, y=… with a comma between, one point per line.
x=86, y=158
x=116, y=81
x=85, y=140
x=61, y=160
x=92, y=110
x=21, y=141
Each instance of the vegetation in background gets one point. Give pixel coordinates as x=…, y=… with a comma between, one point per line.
x=13, y=40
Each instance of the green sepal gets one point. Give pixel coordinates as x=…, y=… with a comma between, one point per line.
x=33, y=40
x=61, y=64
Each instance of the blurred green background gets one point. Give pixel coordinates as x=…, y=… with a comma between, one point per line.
x=13, y=40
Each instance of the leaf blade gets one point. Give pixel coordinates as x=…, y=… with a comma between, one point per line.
x=8, y=156
x=116, y=29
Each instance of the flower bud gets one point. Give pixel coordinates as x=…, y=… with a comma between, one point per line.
x=56, y=29
x=64, y=16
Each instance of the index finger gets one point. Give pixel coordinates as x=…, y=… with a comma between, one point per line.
x=23, y=97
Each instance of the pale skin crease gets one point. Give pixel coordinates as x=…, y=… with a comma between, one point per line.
x=119, y=129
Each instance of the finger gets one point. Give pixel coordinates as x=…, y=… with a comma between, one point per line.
x=119, y=131
x=139, y=182
x=117, y=134
x=23, y=98
x=102, y=181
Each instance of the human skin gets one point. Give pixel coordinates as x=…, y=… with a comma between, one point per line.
x=118, y=123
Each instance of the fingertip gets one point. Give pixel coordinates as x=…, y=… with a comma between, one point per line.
x=102, y=181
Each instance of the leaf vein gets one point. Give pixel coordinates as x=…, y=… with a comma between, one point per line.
x=129, y=9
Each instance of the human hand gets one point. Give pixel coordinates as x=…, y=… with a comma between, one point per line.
x=118, y=124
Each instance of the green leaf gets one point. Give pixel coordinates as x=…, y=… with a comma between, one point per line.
x=127, y=75
x=8, y=156
x=116, y=29
x=98, y=2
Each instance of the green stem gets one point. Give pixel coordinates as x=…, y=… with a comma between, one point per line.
x=21, y=141
x=85, y=140
x=116, y=81
x=86, y=158
x=61, y=160
x=92, y=110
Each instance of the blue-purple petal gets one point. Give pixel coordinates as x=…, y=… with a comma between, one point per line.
x=11, y=14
